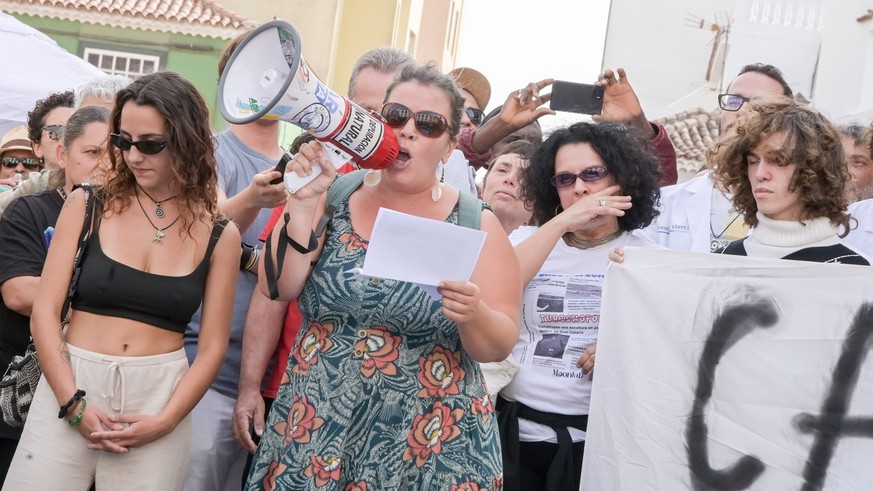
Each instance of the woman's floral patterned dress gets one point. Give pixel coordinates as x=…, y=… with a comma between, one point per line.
x=378, y=393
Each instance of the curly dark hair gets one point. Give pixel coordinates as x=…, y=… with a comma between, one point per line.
x=812, y=143
x=36, y=118
x=626, y=154
x=189, y=141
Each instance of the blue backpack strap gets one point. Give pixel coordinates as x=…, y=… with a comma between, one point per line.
x=470, y=211
x=342, y=188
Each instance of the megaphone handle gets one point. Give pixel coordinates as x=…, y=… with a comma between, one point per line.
x=333, y=154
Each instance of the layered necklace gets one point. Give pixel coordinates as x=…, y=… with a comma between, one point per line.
x=159, y=232
x=159, y=212
x=573, y=240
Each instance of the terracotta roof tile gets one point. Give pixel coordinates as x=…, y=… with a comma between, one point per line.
x=199, y=17
x=691, y=132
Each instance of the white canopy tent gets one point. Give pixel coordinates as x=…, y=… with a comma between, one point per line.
x=32, y=65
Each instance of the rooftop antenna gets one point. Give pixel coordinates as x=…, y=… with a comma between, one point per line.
x=720, y=27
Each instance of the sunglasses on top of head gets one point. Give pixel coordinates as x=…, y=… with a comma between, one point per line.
x=28, y=163
x=476, y=116
x=145, y=147
x=594, y=173
x=428, y=123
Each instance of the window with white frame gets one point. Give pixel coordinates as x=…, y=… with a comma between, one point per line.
x=112, y=62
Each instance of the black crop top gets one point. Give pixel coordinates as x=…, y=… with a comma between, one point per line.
x=108, y=287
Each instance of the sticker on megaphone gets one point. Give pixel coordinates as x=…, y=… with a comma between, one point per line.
x=337, y=158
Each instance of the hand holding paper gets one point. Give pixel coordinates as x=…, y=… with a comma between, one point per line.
x=460, y=300
x=423, y=251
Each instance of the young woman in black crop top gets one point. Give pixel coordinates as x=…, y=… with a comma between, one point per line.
x=158, y=248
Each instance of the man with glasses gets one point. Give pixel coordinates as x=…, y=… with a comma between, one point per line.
x=16, y=158
x=697, y=215
x=45, y=130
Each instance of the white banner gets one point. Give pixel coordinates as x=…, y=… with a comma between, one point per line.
x=726, y=373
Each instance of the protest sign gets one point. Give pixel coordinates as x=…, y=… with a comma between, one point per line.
x=726, y=373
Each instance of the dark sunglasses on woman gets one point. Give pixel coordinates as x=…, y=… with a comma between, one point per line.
x=429, y=123
x=594, y=173
x=145, y=147
x=28, y=163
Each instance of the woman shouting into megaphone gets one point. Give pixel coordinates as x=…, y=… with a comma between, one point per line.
x=383, y=387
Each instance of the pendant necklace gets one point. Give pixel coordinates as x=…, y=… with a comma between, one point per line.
x=573, y=241
x=718, y=236
x=159, y=232
x=159, y=212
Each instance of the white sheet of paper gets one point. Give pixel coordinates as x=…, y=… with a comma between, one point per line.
x=420, y=250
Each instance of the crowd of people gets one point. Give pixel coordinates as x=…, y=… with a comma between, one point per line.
x=213, y=341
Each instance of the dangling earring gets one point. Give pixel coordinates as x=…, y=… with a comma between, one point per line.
x=437, y=192
x=372, y=177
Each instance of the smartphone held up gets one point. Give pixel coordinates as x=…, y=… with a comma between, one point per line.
x=576, y=98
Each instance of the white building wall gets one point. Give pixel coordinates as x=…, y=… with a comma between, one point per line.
x=846, y=67
x=824, y=53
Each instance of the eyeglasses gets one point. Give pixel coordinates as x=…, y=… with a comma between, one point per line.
x=476, y=116
x=55, y=131
x=28, y=163
x=428, y=123
x=732, y=102
x=146, y=147
x=594, y=173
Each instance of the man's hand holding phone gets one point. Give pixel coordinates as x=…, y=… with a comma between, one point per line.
x=620, y=102
x=576, y=98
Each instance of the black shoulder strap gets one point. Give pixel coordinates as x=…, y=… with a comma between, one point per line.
x=217, y=230
x=87, y=228
x=339, y=191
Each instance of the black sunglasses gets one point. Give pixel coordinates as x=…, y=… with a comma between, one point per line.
x=28, y=163
x=476, y=116
x=145, y=147
x=594, y=173
x=731, y=102
x=55, y=131
x=428, y=123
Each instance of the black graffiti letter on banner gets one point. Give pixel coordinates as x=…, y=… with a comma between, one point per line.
x=729, y=327
x=832, y=423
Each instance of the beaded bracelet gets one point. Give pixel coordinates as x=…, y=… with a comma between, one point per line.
x=78, y=419
x=66, y=407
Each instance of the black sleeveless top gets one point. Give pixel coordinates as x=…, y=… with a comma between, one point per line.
x=108, y=287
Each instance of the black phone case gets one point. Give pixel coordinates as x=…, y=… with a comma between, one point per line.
x=576, y=98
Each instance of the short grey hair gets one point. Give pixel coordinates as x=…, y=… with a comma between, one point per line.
x=854, y=131
x=384, y=60
x=104, y=88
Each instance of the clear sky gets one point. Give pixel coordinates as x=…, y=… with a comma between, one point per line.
x=513, y=42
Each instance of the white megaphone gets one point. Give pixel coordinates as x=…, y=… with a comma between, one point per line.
x=267, y=78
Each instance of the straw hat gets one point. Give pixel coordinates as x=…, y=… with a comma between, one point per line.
x=473, y=82
x=15, y=139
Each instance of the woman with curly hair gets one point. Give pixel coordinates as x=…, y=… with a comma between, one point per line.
x=784, y=163
x=589, y=186
x=157, y=249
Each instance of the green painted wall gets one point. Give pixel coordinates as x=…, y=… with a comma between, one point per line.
x=193, y=57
